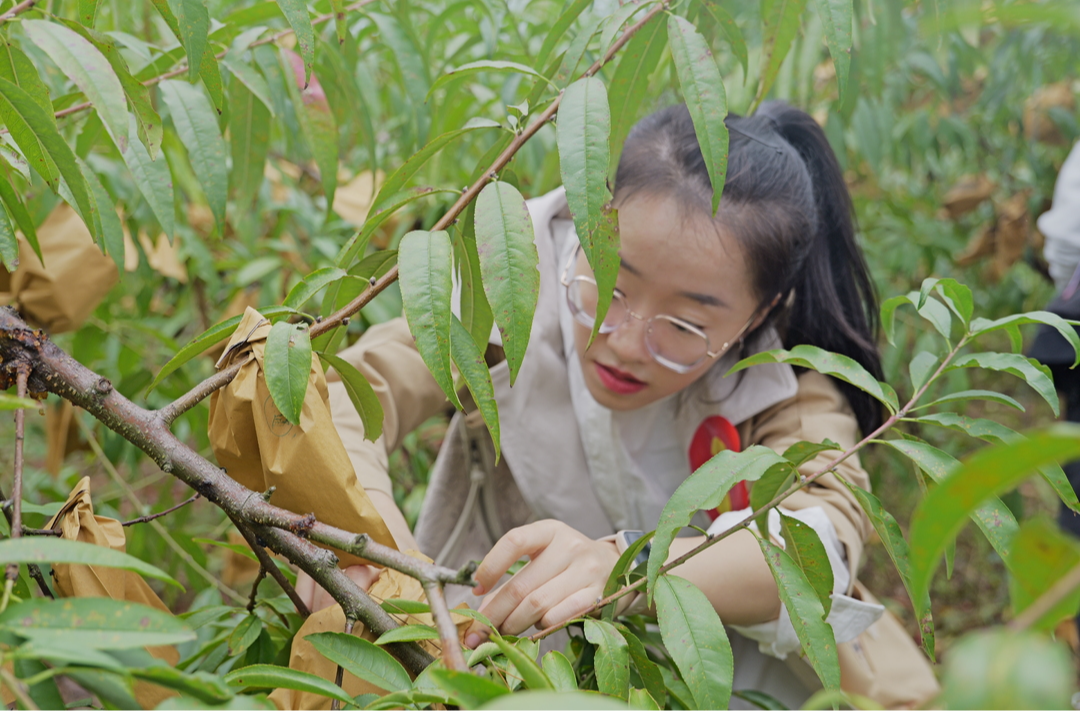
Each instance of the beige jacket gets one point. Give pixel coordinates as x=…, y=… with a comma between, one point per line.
x=472, y=501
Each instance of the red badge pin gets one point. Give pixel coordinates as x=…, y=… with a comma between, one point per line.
x=714, y=435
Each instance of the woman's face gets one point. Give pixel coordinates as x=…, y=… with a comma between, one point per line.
x=673, y=264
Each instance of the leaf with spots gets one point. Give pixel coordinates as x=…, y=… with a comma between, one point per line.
x=508, y=266
x=92, y=622
x=696, y=640
x=196, y=122
x=806, y=613
x=612, y=660
x=17, y=68
x=287, y=367
x=1030, y=370
x=630, y=82
x=1043, y=555
x=806, y=549
x=836, y=19
x=263, y=676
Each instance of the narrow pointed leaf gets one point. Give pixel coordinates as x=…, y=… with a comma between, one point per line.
x=508, y=265
x=981, y=326
x=425, y=268
x=963, y=395
x=93, y=623
x=358, y=243
x=532, y=676
x=88, y=12
x=154, y=181
x=582, y=133
x=244, y=634
x=570, y=13
x=1032, y=371
x=310, y=285
x=261, y=676
x=1043, y=555
x=362, y=658
x=834, y=364
x=630, y=83
x=249, y=142
x=317, y=125
x=804, y=546
x=484, y=65
x=469, y=359
x=612, y=660
x=780, y=20
x=9, y=244
x=705, y=489
x=17, y=209
x=287, y=367
x=731, y=31
x=646, y=668
x=836, y=19
x=466, y=689
x=361, y=394
x=806, y=613
x=703, y=89
x=921, y=367
x=990, y=471
x=17, y=68
x=252, y=79
x=299, y=19
x=193, y=20
x=110, y=231
x=414, y=68
x=696, y=640
x=196, y=122
x=85, y=65
x=476, y=315
x=407, y=633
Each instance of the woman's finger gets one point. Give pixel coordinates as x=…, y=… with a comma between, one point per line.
x=516, y=544
x=574, y=606
x=544, y=599
x=539, y=572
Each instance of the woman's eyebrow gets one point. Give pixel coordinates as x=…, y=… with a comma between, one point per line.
x=706, y=299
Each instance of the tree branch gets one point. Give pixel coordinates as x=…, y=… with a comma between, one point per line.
x=197, y=394
x=267, y=564
x=22, y=373
x=451, y=645
x=166, y=512
x=17, y=10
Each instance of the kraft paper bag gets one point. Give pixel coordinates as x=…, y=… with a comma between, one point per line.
x=76, y=522
x=76, y=276
x=390, y=585
x=307, y=463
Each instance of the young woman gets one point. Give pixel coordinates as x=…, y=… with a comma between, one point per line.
x=596, y=439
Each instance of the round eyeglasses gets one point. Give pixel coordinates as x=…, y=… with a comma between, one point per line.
x=672, y=342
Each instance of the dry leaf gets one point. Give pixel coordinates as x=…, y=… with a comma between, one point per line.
x=1038, y=126
x=966, y=195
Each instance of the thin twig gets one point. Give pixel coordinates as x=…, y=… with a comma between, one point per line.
x=41, y=532
x=255, y=589
x=197, y=394
x=452, y=656
x=166, y=512
x=1046, y=602
x=35, y=573
x=339, y=675
x=18, y=9
x=267, y=565
x=18, y=688
x=21, y=374
x=423, y=571
x=205, y=574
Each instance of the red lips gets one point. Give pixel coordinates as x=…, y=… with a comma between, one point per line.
x=618, y=381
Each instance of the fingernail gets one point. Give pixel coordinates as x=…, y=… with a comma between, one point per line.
x=478, y=590
x=472, y=640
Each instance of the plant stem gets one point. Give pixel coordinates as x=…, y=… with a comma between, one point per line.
x=17, y=688
x=22, y=372
x=17, y=10
x=255, y=589
x=451, y=646
x=166, y=512
x=268, y=566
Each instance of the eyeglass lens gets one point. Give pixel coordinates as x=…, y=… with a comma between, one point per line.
x=670, y=343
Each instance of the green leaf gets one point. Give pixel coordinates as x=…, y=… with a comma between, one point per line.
x=992, y=470
x=396, y=182
x=703, y=89
x=806, y=613
x=468, y=690
x=474, y=370
x=44, y=693
x=958, y=298
x=361, y=394
x=776, y=479
x=759, y=699
x=630, y=82
x=612, y=660
x=249, y=142
x=45, y=149
x=208, y=339
x=154, y=181
x=780, y=21
x=362, y=658
x=9, y=244
x=963, y=395
x=921, y=367
x=806, y=549
x=287, y=367
x=614, y=22
x=993, y=518
x=319, y=129
x=834, y=364
x=244, y=634
x=574, y=53
x=414, y=71
x=405, y=606
x=641, y=699
x=731, y=31
x=802, y=452
x=58, y=550
x=206, y=687
x=412, y=697
x=12, y=402
x=17, y=209
x=559, y=671
x=358, y=243
x=986, y=430
x=508, y=265
x=17, y=68
x=425, y=269
x=582, y=131
x=252, y=80
x=484, y=65
x=981, y=326
x=85, y=65
x=705, y=489
x=408, y=633
x=1042, y=555
x=296, y=13
x=108, y=228
x=619, y=575
x=269, y=676
x=310, y=285
x=836, y=18
x=196, y=122
x=646, y=668
x=570, y=13
x=892, y=538
x=888, y=316
x=190, y=22
x=1032, y=371
x=476, y=315
x=92, y=622
x=696, y=640
x=113, y=689
x=544, y=700
x=532, y=676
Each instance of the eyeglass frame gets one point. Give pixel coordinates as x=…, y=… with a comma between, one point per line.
x=566, y=281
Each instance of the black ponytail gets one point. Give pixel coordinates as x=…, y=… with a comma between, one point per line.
x=786, y=203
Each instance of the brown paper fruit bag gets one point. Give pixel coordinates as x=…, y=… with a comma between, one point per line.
x=306, y=463
x=390, y=585
x=76, y=522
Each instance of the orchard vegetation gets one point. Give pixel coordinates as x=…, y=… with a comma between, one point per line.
x=333, y=164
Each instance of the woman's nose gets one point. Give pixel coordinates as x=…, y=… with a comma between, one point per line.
x=627, y=341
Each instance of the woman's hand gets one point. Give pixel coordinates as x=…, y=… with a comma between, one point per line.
x=565, y=576
x=317, y=599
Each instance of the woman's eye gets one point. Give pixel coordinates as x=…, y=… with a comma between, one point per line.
x=684, y=327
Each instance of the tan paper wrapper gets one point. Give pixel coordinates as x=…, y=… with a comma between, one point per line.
x=307, y=464
x=76, y=277
x=77, y=522
x=391, y=585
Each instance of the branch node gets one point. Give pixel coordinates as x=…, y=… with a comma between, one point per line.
x=372, y=281
x=268, y=493
x=303, y=525
x=103, y=386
